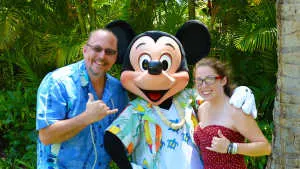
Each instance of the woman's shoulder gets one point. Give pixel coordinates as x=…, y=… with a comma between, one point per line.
x=203, y=106
x=238, y=115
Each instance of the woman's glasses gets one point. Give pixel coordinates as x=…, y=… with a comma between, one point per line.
x=209, y=80
x=98, y=48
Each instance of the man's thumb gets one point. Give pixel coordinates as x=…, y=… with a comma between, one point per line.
x=91, y=97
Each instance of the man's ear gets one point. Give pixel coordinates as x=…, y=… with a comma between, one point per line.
x=124, y=33
x=195, y=39
x=84, y=49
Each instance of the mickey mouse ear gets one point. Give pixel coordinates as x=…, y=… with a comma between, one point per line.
x=124, y=33
x=195, y=39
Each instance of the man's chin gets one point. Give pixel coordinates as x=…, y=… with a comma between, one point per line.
x=96, y=73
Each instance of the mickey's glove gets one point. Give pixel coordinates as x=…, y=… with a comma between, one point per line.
x=134, y=166
x=243, y=98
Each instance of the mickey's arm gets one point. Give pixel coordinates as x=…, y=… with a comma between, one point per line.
x=242, y=97
x=115, y=148
x=119, y=137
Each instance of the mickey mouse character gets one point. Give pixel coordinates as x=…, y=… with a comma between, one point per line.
x=156, y=128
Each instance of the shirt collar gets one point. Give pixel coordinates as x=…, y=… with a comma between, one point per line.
x=85, y=80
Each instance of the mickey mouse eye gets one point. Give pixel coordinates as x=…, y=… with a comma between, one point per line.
x=166, y=62
x=144, y=62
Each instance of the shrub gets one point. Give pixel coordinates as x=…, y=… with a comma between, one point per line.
x=17, y=128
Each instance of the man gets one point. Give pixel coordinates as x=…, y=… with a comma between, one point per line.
x=75, y=104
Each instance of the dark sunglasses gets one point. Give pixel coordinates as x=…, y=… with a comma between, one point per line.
x=98, y=48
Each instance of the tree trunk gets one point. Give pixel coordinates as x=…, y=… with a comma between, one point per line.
x=286, y=113
x=191, y=7
x=141, y=14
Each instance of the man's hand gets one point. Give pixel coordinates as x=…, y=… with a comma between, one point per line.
x=243, y=98
x=97, y=110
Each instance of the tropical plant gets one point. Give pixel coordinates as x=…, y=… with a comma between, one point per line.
x=244, y=34
x=17, y=128
x=253, y=36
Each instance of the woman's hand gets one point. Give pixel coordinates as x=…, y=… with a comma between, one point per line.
x=219, y=144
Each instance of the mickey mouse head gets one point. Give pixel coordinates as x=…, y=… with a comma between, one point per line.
x=155, y=62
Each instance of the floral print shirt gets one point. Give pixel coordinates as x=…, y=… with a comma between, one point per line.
x=150, y=142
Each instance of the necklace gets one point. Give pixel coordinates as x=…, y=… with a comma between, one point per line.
x=174, y=126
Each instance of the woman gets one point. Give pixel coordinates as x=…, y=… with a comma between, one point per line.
x=223, y=128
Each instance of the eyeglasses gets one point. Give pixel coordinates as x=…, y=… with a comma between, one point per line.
x=209, y=80
x=98, y=48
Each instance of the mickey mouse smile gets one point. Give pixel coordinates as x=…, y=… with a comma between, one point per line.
x=154, y=95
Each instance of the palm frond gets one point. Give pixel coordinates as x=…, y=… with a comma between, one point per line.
x=170, y=15
x=10, y=27
x=259, y=39
x=257, y=32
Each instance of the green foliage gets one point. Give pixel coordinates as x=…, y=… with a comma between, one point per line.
x=257, y=32
x=248, y=43
x=17, y=128
x=140, y=14
x=170, y=16
x=244, y=34
x=9, y=27
x=260, y=162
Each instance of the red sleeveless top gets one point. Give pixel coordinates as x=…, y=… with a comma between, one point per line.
x=214, y=160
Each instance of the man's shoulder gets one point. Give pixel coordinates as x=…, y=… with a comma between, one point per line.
x=65, y=72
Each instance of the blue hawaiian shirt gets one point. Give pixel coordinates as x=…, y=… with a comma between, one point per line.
x=63, y=94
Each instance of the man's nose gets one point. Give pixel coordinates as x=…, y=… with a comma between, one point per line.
x=101, y=54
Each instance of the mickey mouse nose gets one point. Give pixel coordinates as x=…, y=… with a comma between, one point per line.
x=155, y=67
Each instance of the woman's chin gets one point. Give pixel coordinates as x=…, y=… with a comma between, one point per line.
x=207, y=97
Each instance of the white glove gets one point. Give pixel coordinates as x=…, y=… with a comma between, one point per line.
x=134, y=166
x=243, y=98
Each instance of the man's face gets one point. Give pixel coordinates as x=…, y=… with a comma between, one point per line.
x=100, y=53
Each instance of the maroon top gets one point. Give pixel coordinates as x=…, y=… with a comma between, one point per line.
x=214, y=160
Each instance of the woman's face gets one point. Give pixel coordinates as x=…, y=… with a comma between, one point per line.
x=209, y=84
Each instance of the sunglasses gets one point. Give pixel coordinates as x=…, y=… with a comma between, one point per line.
x=209, y=80
x=99, y=49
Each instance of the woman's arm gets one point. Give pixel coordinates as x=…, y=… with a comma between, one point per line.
x=258, y=144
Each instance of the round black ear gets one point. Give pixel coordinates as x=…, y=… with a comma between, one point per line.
x=195, y=39
x=124, y=33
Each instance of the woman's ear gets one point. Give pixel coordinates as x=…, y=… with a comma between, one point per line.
x=124, y=33
x=224, y=81
x=195, y=39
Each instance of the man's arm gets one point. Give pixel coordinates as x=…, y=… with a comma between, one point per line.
x=65, y=129
x=62, y=130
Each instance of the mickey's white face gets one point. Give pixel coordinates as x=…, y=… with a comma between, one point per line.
x=155, y=63
x=165, y=50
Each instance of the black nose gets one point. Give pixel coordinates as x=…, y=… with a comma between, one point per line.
x=155, y=67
